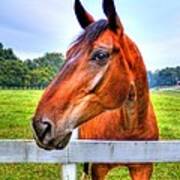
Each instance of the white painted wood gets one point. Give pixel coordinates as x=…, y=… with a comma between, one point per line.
x=27, y=151
x=69, y=171
x=75, y=134
x=91, y=151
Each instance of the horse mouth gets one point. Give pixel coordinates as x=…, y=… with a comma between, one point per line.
x=64, y=142
x=54, y=144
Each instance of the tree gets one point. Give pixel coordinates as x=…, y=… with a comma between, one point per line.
x=164, y=77
x=7, y=54
x=40, y=77
x=13, y=73
x=30, y=73
x=1, y=46
x=54, y=60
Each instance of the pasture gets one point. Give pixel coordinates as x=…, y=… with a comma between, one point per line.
x=17, y=107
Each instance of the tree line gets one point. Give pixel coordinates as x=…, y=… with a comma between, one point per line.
x=35, y=73
x=165, y=77
x=38, y=72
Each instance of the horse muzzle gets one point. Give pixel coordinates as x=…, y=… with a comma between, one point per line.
x=46, y=137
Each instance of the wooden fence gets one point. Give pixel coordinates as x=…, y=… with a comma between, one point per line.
x=78, y=151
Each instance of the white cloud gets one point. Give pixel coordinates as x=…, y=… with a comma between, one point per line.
x=28, y=55
x=38, y=26
x=159, y=54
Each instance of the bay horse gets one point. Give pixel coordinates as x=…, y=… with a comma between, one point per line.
x=102, y=89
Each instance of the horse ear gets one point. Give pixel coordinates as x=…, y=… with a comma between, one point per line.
x=84, y=18
x=111, y=14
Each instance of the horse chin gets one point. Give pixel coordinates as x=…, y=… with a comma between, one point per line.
x=55, y=143
x=64, y=142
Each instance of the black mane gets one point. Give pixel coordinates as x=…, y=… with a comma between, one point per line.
x=92, y=32
x=89, y=35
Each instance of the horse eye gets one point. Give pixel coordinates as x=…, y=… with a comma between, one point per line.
x=100, y=57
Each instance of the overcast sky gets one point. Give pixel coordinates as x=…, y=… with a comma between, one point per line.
x=33, y=27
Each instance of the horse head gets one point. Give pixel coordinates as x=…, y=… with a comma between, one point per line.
x=95, y=78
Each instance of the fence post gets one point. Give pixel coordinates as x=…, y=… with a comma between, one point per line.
x=69, y=171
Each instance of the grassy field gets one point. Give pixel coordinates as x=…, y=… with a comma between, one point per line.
x=17, y=107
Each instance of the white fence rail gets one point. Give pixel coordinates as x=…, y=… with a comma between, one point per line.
x=78, y=151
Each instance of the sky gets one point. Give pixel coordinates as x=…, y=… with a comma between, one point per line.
x=35, y=27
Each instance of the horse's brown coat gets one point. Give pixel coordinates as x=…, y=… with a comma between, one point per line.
x=136, y=118
x=108, y=101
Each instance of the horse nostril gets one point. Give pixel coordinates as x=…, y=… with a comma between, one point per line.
x=42, y=129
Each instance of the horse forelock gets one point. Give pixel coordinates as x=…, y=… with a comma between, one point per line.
x=85, y=40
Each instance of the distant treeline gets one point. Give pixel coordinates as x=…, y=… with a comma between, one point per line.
x=164, y=77
x=37, y=73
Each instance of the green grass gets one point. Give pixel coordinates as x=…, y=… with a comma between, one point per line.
x=167, y=108
x=16, y=110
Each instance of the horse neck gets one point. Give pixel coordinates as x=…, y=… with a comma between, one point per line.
x=135, y=110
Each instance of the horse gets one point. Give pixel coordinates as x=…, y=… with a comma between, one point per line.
x=102, y=90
